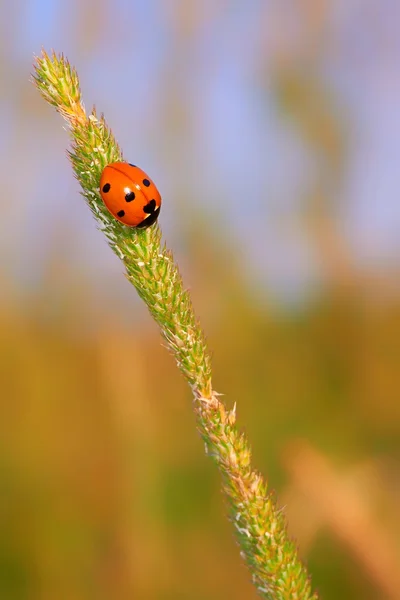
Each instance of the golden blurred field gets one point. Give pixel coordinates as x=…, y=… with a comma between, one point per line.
x=105, y=490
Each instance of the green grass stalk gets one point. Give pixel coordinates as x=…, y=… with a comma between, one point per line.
x=271, y=556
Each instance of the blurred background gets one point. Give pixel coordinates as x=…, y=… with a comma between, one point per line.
x=272, y=129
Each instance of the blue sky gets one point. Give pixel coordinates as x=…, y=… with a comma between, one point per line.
x=231, y=150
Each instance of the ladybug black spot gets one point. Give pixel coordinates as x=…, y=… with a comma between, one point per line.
x=129, y=197
x=150, y=220
x=121, y=213
x=146, y=182
x=150, y=207
x=106, y=188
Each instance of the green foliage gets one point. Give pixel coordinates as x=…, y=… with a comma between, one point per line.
x=271, y=556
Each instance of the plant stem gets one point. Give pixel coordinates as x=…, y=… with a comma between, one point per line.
x=270, y=554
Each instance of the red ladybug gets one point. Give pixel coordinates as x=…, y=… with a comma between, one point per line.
x=129, y=194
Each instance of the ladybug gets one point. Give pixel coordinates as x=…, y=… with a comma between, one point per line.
x=129, y=194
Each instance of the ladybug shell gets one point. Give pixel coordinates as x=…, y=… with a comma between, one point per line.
x=129, y=194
